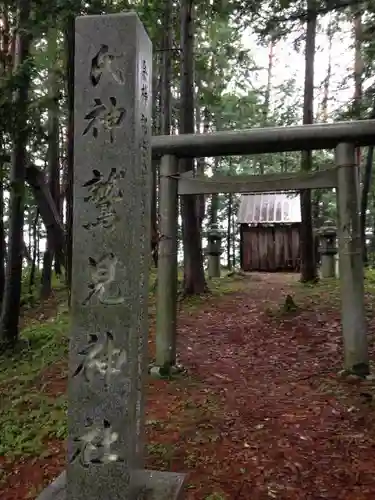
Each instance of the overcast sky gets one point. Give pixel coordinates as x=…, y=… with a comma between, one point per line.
x=289, y=63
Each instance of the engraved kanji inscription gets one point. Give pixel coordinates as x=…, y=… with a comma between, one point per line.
x=109, y=117
x=107, y=217
x=101, y=357
x=144, y=85
x=144, y=123
x=144, y=92
x=144, y=146
x=144, y=70
x=96, y=446
x=102, y=284
x=104, y=193
x=144, y=143
x=102, y=188
x=104, y=61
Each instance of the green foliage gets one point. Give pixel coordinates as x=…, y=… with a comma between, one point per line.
x=46, y=343
x=370, y=275
x=28, y=415
x=29, y=421
x=218, y=287
x=30, y=294
x=370, y=280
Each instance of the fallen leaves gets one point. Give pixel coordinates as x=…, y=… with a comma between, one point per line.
x=261, y=414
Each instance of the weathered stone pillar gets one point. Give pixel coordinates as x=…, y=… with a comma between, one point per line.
x=328, y=250
x=351, y=263
x=214, y=251
x=111, y=253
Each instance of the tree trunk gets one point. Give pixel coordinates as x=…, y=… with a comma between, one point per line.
x=53, y=159
x=267, y=96
x=357, y=112
x=2, y=232
x=162, y=121
x=5, y=69
x=35, y=254
x=367, y=177
x=262, y=160
x=214, y=208
x=322, y=116
x=214, y=197
x=229, y=231
x=194, y=279
x=69, y=70
x=358, y=69
x=29, y=231
x=59, y=261
x=38, y=248
x=166, y=73
x=327, y=80
x=11, y=305
x=234, y=231
x=364, y=200
x=201, y=199
x=25, y=252
x=46, y=207
x=308, y=265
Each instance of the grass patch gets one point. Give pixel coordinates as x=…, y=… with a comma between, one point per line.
x=325, y=295
x=27, y=416
x=218, y=287
x=46, y=343
x=370, y=287
x=326, y=292
x=28, y=420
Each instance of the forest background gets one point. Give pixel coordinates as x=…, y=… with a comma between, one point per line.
x=217, y=65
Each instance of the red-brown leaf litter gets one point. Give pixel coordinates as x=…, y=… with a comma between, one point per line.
x=261, y=413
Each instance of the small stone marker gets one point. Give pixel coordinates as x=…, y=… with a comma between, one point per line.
x=111, y=248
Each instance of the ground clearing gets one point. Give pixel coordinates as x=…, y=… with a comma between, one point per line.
x=260, y=415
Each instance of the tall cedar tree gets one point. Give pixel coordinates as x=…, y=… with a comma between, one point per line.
x=9, y=321
x=194, y=279
x=308, y=263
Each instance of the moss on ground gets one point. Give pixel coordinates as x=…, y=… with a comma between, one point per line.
x=27, y=416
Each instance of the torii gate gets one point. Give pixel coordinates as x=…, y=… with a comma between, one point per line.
x=344, y=137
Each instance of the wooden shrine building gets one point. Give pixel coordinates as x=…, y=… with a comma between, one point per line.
x=270, y=232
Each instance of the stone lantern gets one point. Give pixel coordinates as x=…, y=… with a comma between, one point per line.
x=328, y=250
x=214, y=237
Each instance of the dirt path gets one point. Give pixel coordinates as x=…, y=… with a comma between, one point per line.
x=261, y=414
x=285, y=427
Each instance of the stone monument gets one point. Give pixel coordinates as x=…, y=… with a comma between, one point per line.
x=328, y=250
x=214, y=251
x=111, y=247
